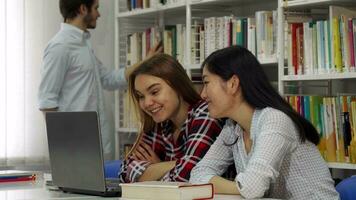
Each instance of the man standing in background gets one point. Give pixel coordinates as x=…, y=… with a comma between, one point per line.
x=72, y=77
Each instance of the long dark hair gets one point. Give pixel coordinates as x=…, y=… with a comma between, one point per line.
x=255, y=86
x=167, y=68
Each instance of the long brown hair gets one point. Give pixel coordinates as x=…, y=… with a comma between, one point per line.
x=167, y=68
x=171, y=71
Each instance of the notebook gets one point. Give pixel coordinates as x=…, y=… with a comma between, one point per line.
x=75, y=150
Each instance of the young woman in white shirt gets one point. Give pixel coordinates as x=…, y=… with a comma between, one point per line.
x=272, y=146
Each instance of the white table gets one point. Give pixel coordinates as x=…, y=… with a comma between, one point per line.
x=37, y=190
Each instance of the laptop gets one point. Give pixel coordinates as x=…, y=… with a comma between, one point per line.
x=75, y=150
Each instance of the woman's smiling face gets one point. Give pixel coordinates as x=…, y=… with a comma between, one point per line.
x=156, y=97
x=215, y=93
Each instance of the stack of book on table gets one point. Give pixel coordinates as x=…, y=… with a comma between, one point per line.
x=156, y=190
x=15, y=175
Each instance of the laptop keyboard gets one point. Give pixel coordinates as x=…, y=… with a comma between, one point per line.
x=112, y=182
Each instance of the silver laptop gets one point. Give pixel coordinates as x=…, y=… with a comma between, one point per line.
x=75, y=150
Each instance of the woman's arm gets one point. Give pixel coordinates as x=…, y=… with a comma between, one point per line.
x=224, y=186
x=217, y=159
x=156, y=171
x=202, y=132
x=157, y=168
x=142, y=156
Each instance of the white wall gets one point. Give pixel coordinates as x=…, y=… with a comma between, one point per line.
x=26, y=26
x=103, y=41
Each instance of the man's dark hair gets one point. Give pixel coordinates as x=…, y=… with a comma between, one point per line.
x=70, y=8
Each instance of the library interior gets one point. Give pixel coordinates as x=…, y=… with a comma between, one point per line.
x=80, y=120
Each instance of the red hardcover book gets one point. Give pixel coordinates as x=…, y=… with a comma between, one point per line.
x=29, y=178
x=294, y=27
x=351, y=42
x=148, y=40
x=14, y=176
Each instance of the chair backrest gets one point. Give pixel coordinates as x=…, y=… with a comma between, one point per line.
x=347, y=188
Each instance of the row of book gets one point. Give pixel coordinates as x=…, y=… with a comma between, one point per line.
x=139, y=43
x=143, y=4
x=322, y=46
x=172, y=37
x=335, y=120
x=210, y=35
x=128, y=114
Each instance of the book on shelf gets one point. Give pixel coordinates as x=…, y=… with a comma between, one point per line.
x=335, y=120
x=157, y=190
x=138, y=4
x=172, y=38
x=343, y=31
x=16, y=175
x=323, y=44
x=209, y=35
x=266, y=28
x=144, y=4
x=130, y=117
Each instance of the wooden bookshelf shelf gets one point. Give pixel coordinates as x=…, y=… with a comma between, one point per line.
x=228, y=3
x=304, y=4
x=147, y=12
x=336, y=165
x=269, y=61
x=137, y=12
x=127, y=130
x=193, y=66
x=316, y=77
x=272, y=61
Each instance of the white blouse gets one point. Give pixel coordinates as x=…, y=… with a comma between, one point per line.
x=278, y=164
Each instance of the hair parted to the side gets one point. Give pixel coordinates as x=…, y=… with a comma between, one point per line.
x=70, y=8
x=172, y=72
x=255, y=86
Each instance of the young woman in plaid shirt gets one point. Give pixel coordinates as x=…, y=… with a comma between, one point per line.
x=177, y=130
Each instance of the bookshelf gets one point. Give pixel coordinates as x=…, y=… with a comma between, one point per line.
x=314, y=3
x=189, y=13
x=335, y=165
x=137, y=13
x=334, y=76
x=323, y=80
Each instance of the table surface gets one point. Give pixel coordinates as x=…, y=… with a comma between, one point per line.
x=37, y=190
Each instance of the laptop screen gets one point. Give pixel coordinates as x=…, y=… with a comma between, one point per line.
x=75, y=150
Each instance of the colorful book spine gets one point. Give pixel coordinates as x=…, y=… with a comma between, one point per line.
x=15, y=178
x=334, y=118
x=354, y=34
x=351, y=42
x=337, y=45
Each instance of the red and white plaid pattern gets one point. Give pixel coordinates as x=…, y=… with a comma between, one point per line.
x=197, y=134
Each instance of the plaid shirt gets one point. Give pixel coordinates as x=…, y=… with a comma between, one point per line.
x=197, y=134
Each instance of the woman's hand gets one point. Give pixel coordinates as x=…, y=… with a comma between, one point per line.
x=144, y=152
